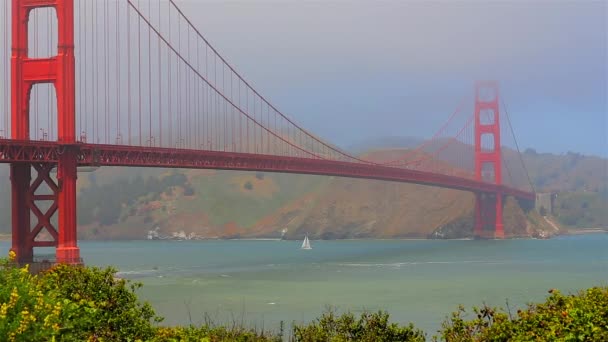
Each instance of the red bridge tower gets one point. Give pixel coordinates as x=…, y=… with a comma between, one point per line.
x=488, y=158
x=26, y=72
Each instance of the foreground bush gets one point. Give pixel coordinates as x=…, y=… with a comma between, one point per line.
x=70, y=303
x=370, y=327
x=105, y=308
x=27, y=313
x=576, y=317
x=207, y=334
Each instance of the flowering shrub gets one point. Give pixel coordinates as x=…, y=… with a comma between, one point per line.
x=27, y=311
x=105, y=308
x=70, y=303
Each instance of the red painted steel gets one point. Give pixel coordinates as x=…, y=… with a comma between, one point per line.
x=13, y=151
x=59, y=71
x=488, y=156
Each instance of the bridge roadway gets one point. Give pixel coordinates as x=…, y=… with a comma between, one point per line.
x=24, y=151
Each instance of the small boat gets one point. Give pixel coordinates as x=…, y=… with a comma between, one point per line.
x=306, y=243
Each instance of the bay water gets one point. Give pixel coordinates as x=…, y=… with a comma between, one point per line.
x=260, y=283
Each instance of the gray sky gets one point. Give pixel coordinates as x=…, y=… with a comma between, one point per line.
x=353, y=70
x=350, y=71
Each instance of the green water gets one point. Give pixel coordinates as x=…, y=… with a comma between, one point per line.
x=264, y=282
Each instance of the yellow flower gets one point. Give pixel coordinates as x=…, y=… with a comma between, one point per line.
x=3, y=310
x=57, y=309
x=25, y=270
x=12, y=255
x=14, y=297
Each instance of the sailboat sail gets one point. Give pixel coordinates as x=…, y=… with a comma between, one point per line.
x=306, y=243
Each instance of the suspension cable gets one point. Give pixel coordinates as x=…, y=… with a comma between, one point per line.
x=517, y=146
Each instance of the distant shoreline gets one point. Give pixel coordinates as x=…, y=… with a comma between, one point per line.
x=585, y=231
x=569, y=232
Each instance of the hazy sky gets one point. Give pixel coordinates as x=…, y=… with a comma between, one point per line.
x=353, y=70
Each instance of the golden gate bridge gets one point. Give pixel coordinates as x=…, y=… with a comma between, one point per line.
x=132, y=83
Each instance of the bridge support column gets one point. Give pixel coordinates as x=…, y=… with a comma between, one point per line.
x=67, y=247
x=20, y=183
x=58, y=70
x=488, y=156
x=499, y=232
x=488, y=216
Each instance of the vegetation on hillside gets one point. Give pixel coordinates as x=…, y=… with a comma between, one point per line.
x=569, y=172
x=105, y=203
x=582, y=209
x=75, y=303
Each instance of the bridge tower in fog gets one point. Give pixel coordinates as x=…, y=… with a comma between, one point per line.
x=28, y=220
x=488, y=159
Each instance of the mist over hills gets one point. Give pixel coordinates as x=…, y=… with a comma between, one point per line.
x=384, y=143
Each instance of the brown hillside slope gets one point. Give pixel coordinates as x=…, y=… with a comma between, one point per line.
x=351, y=208
x=364, y=209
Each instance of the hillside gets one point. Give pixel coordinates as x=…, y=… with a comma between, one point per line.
x=213, y=204
x=125, y=203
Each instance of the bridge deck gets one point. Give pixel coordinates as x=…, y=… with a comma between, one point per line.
x=16, y=151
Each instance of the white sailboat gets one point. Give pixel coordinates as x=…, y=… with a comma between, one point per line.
x=306, y=243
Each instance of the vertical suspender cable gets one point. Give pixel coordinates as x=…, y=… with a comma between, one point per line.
x=504, y=105
x=240, y=120
x=216, y=140
x=224, y=107
x=232, y=125
x=118, y=133
x=129, y=73
x=179, y=78
x=208, y=101
x=107, y=73
x=79, y=69
x=139, y=67
x=149, y=75
x=169, y=84
x=188, y=96
x=6, y=133
x=160, y=82
x=261, y=124
x=247, y=97
x=198, y=91
x=255, y=142
x=35, y=91
x=85, y=74
x=96, y=62
x=50, y=95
